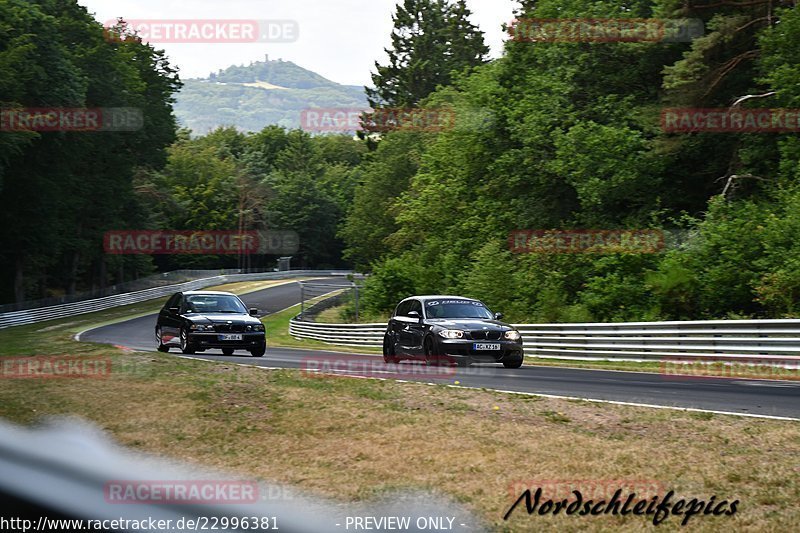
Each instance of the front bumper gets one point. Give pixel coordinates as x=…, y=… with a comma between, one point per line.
x=212, y=340
x=463, y=350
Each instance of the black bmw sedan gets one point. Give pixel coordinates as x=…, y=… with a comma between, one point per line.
x=450, y=329
x=196, y=321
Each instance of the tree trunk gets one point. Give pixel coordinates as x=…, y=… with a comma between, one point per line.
x=102, y=272
x=19, y=280
x=73, y=273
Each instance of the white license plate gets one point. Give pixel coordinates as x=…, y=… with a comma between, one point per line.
x=230, y=337
x=482, y=346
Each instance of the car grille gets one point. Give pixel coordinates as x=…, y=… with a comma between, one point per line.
x=229, y=328
x=485, y=335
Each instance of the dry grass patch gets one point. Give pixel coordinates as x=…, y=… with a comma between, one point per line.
x=245, y=287
x=354, y=439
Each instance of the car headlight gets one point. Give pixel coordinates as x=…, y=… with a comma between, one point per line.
x=257, y=327
x=451, y=333
x=201, y=327
x=512, y=335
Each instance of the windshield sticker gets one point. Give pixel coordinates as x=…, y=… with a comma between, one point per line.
x=447, y=302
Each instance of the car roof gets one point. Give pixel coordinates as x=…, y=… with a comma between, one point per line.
x=440, y=297
x=208, y=293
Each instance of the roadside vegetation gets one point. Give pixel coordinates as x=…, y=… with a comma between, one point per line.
x=574, y=141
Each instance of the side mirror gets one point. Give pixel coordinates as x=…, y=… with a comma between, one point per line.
x=253, y=311
x=498, y=316
x=173, y=310
x=414, y=314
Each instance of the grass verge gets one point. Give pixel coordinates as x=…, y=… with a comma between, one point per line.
x=628, y=366
x=334, y=315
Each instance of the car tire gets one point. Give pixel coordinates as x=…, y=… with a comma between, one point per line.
x=429, y=355
x=227, y=352
x=259, y=352
x=514, y=363
x=389, y=356
x=161, y=346
x=186, y=346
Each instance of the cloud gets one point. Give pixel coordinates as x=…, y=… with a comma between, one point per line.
x=339, y=39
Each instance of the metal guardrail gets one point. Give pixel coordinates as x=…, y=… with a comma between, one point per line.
x=315, y=297
x=772, y=341
x=342, y=334
x=31, y=316
x=149, y=282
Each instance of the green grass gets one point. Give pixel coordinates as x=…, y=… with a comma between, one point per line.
x=54, y=337
x=335, y=315
x=647, y=366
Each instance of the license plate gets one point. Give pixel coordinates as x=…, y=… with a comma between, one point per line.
x=230, y=337
x=484, y=347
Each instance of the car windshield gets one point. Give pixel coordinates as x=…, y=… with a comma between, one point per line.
x=457, y=309
x=213, y=303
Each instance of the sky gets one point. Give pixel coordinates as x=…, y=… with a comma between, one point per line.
x=339, y=39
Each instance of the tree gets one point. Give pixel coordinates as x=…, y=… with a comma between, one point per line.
x=384, y=176
x=431, y=40
x=62, y=190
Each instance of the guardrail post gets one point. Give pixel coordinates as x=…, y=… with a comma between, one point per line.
x=302, y=301
x=355, y=290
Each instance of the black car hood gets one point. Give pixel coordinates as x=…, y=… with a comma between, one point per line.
x=222, y=318
x=469, y=323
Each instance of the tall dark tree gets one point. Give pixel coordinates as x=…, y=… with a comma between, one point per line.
x=63, y=190
x=431, y=40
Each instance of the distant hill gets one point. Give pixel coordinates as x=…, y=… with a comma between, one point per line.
x=261, y=94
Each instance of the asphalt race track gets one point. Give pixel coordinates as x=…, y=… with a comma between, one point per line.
x=754, y=397
x=139, y=333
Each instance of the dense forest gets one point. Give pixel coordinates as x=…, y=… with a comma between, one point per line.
x=575, y=142
x=60, y=190
x=552, y=135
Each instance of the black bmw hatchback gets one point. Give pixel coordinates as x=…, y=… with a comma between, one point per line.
x=196, y=321
x=450, y=329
